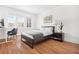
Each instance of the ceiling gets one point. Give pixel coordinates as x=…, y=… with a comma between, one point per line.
x=36, y=9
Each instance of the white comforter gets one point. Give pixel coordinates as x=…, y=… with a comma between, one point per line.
x=35, y=31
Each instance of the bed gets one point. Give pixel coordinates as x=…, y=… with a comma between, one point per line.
x=33, y=36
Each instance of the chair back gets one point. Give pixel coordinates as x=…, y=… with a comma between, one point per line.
x=14, y=31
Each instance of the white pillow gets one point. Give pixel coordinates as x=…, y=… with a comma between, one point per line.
x=47, y=30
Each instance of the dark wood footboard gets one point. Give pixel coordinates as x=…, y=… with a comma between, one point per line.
x=28, y=41
x=31, y=42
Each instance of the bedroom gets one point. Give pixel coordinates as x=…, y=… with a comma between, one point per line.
x=43, y=19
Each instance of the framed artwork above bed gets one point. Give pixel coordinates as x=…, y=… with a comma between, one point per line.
x=48, y=19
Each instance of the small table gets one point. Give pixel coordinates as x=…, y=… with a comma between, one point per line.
x=58, y=36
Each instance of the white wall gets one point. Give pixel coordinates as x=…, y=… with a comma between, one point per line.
x=6, y=11
x=69, y=15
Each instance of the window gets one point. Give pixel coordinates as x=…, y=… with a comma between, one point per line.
x=11, y=21
x=28, y=22
x=21, y=21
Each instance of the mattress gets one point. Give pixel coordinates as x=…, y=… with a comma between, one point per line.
x=34, y=32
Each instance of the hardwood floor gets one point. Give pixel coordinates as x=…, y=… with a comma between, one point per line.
x=47, y=47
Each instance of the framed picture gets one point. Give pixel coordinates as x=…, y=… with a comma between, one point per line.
x=48, y=19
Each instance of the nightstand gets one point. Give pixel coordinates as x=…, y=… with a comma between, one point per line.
x=58, y=36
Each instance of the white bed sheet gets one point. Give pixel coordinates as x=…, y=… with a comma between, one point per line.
x=45, y=32
x=28, y=35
